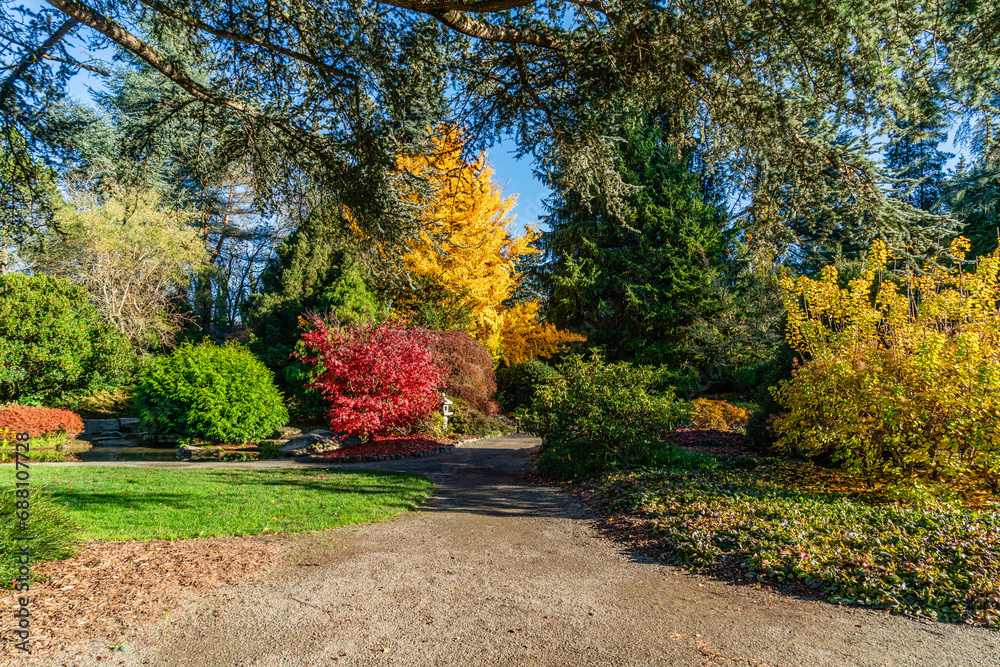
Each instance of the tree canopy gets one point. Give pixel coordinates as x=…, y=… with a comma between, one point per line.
x=328, y=93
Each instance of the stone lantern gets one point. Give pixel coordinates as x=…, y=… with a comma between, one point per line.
x=446, y=404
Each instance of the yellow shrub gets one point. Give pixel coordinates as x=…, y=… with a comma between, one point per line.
x=706, y=413
x=899, y=377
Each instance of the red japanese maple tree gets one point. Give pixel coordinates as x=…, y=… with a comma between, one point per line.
x=374, y=376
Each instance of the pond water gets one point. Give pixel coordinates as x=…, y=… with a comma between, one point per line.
x=128, y=454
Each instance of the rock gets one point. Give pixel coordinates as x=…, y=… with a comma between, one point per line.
x=95, y=426
x=285, y=433
x=112, y=442
x=129, y=424
x=193, y=453
x=313, y=442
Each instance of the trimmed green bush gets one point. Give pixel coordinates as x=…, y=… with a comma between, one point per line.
x=516, y=384
x=52, y=342
x=602, y=415
x=218, y=394
x=52, y=530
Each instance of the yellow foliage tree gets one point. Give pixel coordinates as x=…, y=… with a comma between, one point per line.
x=476, y=263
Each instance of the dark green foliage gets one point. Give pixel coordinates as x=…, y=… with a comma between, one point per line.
x=218, y=394
x=603, y=414
x=314, y=271
x=50, y=526
x=973, y=195
x=516, y=384
x=754, y=384
x=27, y=196
x=935, y=561
x=466, y=420
x=632, y=290
x=52, y=342
x=914, y=159
x=744, y=326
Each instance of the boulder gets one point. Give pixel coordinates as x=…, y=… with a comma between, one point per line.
x=193, y=453
x=285, y=433
x=316, y=442
x=95, y=426
x=129, y=424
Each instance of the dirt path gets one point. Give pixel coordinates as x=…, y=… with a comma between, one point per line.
x=497, y=571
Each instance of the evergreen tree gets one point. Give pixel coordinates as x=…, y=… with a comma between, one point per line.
x=316, y=269
x=325, y=92
x=973, y=197
x=915, y=160
x=633, y=290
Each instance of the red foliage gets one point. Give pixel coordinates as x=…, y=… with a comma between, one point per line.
x=37, y=421
x=467, y=368
x=387, y=446
x=375, y=376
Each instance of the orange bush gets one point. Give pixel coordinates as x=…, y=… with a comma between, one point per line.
x=467, y=368
x=38, y=421
x=706, y=413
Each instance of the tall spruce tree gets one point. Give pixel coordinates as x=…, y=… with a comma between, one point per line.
x=317, y=268
x=918, y=164
x=633, y=290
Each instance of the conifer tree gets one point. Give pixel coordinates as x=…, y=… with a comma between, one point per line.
x=633, y=290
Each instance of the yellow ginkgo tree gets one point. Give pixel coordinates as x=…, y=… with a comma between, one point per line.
x=476, y=264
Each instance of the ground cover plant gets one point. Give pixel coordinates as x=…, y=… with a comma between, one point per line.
x=781, y=521
x=119, y=503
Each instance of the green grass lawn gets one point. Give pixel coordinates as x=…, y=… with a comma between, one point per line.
x=125, y=503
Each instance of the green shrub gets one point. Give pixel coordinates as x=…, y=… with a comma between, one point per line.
x=516, y=384
x=218, y=394
x=116, y=402
x=53, y=342
x=469, y=421
x=52, y=530
x=604, y=415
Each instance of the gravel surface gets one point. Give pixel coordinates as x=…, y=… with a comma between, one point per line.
x=498, y=571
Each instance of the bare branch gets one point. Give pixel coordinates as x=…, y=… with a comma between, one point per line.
x=74, y=63
x=128, y=41
x=34, y=57
x=461, y=22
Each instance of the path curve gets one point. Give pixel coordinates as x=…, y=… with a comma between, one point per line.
x=498, y=571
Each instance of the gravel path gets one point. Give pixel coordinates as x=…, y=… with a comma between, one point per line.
x=498, y=571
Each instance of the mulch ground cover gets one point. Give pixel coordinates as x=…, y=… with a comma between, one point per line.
x=113, y=588
x=389, y=446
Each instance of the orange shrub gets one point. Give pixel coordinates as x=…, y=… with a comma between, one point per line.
x=38, y=421
x=706, y=413
x=467, y=368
